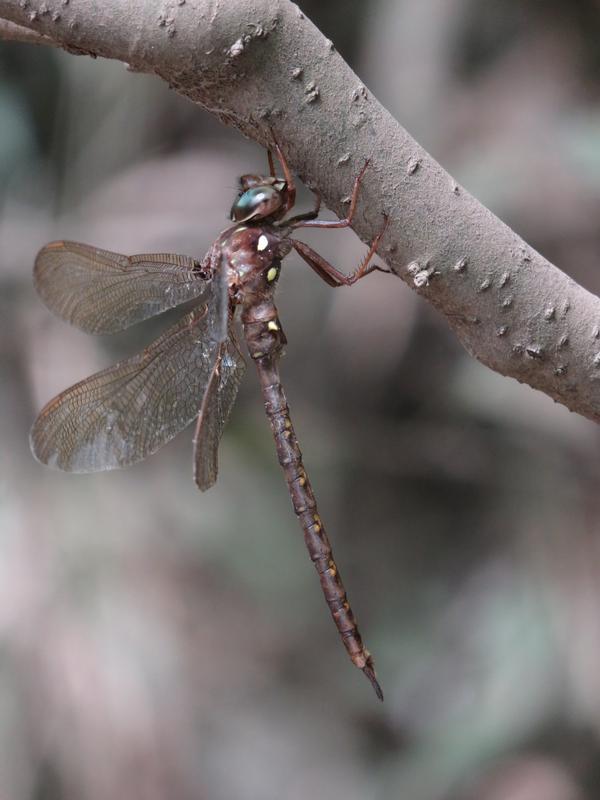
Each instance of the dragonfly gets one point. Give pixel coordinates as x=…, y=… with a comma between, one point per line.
x=192, y=372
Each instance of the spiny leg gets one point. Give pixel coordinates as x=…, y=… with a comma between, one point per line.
x=333, y=276
x=307, y=215
x=340, y=223
x=271, y=163
x=285, y=223
x=287, y=174
x=308, y=219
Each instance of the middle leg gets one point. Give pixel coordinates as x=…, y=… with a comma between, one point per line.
x=341, y=223
x=307, y=215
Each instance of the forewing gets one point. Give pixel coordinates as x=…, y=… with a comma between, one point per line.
x=103, y=292
x=217, y=404
x=220, y=328
x=123, y=414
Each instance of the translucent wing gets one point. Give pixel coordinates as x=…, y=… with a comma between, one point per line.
x=123, y=414
x=219, y=397
x=104, y=292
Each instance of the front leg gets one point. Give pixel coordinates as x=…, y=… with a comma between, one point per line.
x=287, y=173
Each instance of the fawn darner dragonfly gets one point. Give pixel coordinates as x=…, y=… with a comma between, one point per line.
x=192, y=372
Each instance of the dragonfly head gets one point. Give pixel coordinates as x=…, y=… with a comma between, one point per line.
x=260, y=198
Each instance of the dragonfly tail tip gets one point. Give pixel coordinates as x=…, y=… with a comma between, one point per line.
x=370, y=673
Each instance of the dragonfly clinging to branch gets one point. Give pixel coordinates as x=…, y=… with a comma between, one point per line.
x=192, y=372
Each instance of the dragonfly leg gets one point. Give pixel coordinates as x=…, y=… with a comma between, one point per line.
x=271, y=163
x=287, y=174
x=331, y=274
x=340, y=223
x=285, y=223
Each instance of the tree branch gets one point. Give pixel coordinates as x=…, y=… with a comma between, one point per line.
x=9, y=32
x=260, y=64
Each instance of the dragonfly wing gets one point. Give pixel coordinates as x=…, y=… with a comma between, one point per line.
x=220, y=329
x=123, y=414
x=221, y=391
x=103, y=292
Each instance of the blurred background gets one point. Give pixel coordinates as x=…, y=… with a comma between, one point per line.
x=160, y=643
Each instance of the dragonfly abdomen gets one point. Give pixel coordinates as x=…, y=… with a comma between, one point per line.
x=305, y=506
x=262, y=329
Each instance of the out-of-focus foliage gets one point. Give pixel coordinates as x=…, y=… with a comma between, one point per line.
x=161, y=643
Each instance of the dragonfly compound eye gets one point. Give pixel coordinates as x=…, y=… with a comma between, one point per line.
x=258, y=202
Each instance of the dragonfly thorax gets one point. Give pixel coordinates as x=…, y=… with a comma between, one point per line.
x=253, y=255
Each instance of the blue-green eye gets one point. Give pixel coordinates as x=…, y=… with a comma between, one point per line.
x=248, y=202
x=258, y=202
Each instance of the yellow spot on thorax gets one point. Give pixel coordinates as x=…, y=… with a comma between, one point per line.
x=272, y=274
x=272, y=325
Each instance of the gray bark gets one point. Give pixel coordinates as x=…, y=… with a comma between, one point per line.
x=9, y=32
x=261, y=65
